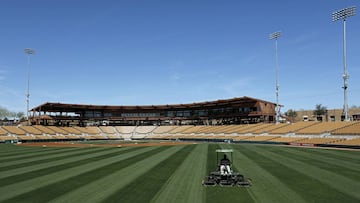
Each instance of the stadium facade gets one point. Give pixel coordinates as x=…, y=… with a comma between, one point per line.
x=227, y=111
x=331, y=115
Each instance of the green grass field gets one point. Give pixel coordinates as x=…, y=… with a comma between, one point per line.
x=174, y=174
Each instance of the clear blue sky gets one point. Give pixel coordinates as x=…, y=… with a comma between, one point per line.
x=134, y=52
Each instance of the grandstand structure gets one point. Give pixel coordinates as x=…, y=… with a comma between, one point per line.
x=343, y=134
x=330, y=115
x=228, y=111
x=212, y=121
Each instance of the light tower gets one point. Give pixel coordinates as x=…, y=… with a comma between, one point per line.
x=28, y=51
x=343, y=14
x=275, y=36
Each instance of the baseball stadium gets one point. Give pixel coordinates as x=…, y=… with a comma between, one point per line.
x=210, y=144
x=171, y=153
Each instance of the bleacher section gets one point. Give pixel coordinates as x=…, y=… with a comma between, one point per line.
x=291, y=128
x=179, y=129
x=163, y=129
x=321, y=140
x=336, y=133
x=262, y=138
x=126, y=132
x=289, y=139
x=35, y=133
x=45, y=129
x=14, y=130
x=109, y=132
x=353, y=129
x=31, y=130
x=145, y=129
x=269, y=128
x=5, y=135
x=322, y=127
x=57, y=130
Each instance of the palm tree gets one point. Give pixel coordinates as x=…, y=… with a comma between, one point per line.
x=320, y=111
x=292, y=114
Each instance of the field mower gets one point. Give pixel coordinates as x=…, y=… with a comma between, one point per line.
x=224, y=175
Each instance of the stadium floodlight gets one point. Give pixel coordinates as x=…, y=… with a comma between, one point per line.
x=29, y=52
x=343, y=14
x=275, y=36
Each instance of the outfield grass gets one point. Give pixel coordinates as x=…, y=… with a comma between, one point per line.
x=174, y=173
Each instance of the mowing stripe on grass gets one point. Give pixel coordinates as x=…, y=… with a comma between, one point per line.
x=8, y=150
x=27, y=186
x=35, y=154
x=332, y=178
x=266, y=186
x=211, y=166
x=46, y=193
x=211, y=158
x=279, y=175
x=102, y=188
x=30, y=168
x=352, y=169
x=44, y=158
x=339, y=155
x=61, y=165
x=311, y=182
x=145, y=187
x=186, y=180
